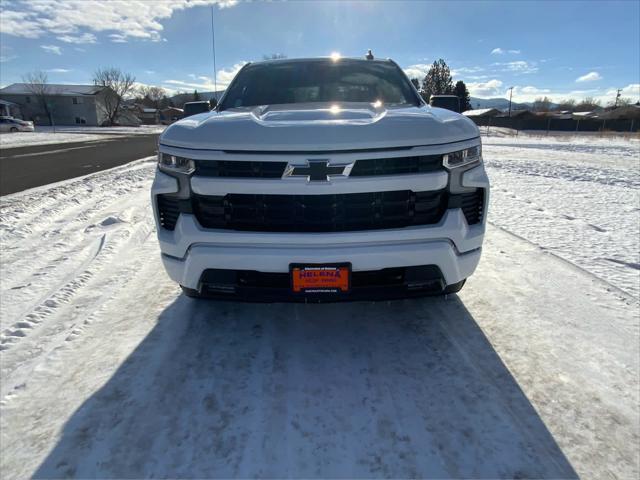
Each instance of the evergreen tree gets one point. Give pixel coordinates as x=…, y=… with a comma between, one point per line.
x=196, y=96
x=438, y=80
x=460, y=91
x=416, y=83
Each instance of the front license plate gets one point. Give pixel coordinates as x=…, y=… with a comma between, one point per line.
x=320, y=278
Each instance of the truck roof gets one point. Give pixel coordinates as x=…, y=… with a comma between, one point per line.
x=320, y=59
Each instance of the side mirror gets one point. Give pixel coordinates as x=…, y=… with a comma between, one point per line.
x=213, y=103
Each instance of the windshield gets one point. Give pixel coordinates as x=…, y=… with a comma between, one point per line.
x=319, y=81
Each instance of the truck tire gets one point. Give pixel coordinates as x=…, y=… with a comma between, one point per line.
x=190, y=292
x=454, y=287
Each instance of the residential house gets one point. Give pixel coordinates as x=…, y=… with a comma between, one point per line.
x=68, y=104
x=482, y=113
x=147, y=115
x=170, y=115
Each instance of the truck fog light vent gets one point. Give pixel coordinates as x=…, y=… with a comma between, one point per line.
x=168, y=211
x=472, y=206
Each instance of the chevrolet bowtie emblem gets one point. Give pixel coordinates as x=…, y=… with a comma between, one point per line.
x=315, y=170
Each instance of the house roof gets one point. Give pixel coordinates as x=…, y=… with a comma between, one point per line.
x=53, y=89
x=483, y=112
x=4, y=102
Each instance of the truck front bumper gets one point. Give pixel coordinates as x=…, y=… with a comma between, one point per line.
x=451, y=246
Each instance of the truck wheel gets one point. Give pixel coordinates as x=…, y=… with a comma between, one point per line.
x=190, y=292
x=454, y=288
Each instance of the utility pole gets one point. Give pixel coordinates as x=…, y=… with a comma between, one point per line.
x=617, y=97
x=510, y=95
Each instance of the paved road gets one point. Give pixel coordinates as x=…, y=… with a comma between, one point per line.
x=33, y=166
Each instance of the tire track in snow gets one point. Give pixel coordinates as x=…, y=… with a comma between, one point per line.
x=610, y=286
x=93, y=288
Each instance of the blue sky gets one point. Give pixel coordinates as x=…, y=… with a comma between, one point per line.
x=560, y=49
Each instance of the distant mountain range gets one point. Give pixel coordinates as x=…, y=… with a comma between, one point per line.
x=500, y=104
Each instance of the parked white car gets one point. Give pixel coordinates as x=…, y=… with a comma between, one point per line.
x=10, y=124
x=321, y=179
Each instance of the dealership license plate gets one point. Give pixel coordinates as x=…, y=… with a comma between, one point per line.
x=320, y=278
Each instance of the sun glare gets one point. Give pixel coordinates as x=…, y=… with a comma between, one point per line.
x=335, y=56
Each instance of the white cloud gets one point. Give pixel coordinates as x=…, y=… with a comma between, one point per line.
x=589, y=77
x=466, y=71
x=490, y=88
x=58, y=70
x=518, y=66
x=604, y=95
x=224, y=77
x=7, y=58
x=18, y=24
x=137, y=19
x=118, y=38
x=502, y=51
x=631, y=91
x=418, y=70
x=82, y=38
x=532, y=90
x=52, y=49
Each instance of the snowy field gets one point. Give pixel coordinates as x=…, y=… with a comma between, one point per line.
x=47, y=135
x=531, y=371
x=577, y=197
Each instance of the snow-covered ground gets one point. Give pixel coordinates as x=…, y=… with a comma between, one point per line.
x=25, y=139
x=532, y=371
x=47, y=135
x=140, y=130
x=578, y=198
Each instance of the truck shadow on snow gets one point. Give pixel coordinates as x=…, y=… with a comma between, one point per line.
x=399, y=389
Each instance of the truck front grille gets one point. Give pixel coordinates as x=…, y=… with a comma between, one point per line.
x=235, y=169
x=361, y=168
x=397, y=165
x=320, y=213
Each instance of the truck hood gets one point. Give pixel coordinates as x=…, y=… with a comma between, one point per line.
x=319, y=127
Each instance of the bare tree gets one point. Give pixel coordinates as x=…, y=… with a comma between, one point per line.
x=568, y=104
x=541, y=104
x=38, y=84
x=119, y=85
x=588, y=104
x=622, y=102
x=152, y=96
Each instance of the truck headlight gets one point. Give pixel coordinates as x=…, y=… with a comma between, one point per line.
x=172, y=163
x=461, y=158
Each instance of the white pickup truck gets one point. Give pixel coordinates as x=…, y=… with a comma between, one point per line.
x=320, y=179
